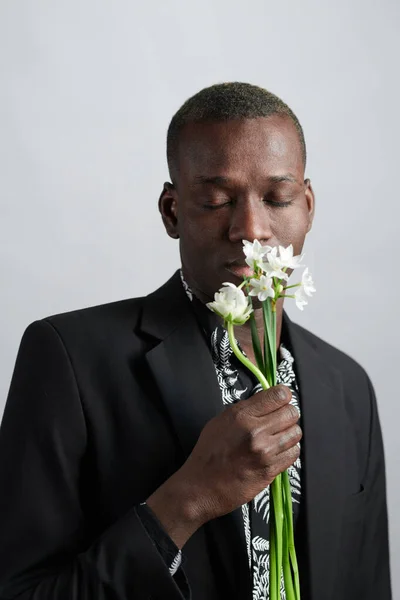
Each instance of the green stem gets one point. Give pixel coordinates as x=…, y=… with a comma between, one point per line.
x=243, y=359
x=273, y=576
x=289, y=520
x=276, y=492
x=256, y=344
x=291, y=286
x=287, y=574
x=269, y=345
x=273, y=309
x=295, y=569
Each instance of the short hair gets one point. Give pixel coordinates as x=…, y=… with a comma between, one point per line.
x=225, y=102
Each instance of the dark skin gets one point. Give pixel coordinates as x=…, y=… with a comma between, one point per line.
x=235, y=180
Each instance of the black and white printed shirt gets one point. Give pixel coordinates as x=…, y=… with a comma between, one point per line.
x=237, y=384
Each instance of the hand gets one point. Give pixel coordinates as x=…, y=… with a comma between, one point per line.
x=238, y=453
x=242, y=450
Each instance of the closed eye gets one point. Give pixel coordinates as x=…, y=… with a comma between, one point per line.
x=266, y=201
x=215, y=206
x=279, y=204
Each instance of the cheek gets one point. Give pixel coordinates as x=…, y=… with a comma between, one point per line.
x=290, y=227
x=201, y=230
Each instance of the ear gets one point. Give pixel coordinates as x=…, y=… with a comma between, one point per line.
x=168, y=207
x=310, y=198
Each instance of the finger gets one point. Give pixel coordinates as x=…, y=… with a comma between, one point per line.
x=285, y=440
x=286, y=459
x=282, y=419
x=268, y=401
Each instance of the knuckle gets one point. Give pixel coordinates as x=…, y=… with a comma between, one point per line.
x=259, y=449
x=270, y=472
x=256, y=403
x=298, y=432
x=283, y=442
x=253, y=442
x=293, y=453
x=287, y=416
x=274, y=470
x=293, y=413
x=283, y=393
x=288, y=438
x=266, y=455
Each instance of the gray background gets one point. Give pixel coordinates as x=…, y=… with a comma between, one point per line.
x=87, y=92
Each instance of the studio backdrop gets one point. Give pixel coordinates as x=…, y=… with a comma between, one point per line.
x=87, y=90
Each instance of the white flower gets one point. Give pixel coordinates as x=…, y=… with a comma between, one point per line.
x=231, y=304
x=273, y=266
x=306, y=289
x=307, y=283
x=254, y=252
x=262, y=288
x=300, y=298
x=287, y=259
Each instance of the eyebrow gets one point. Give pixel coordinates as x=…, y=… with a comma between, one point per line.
x=222, y=180
x=215, y=180
x=282, y=178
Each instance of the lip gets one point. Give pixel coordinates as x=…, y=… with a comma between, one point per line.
x=240, y=270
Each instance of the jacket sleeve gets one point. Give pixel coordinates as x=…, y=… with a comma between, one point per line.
x=169, y=551
x=375, y=569
x=44, y=552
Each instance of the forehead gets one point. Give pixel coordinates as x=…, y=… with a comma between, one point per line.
x=247, y=148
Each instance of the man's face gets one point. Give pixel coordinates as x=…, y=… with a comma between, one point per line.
x=239, y=179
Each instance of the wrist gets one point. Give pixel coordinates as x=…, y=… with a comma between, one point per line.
x=178, y=509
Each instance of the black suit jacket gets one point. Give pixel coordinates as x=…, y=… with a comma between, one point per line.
x=107, y=402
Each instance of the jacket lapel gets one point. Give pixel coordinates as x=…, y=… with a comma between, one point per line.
x=323, y=460
x=182, y=367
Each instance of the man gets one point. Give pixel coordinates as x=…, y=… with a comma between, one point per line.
x=136, y=454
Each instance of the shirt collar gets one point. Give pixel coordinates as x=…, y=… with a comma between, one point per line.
x=206, y=317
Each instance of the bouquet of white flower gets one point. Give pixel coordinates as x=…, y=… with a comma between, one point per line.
x=269, y=265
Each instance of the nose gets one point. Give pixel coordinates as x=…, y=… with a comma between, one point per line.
x=249, y=221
